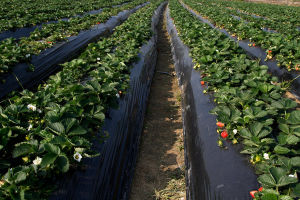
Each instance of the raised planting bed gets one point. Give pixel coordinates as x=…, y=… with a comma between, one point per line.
x=211, y=172
x=256, y=52
x=48, y=132
x=252, y=117
x=23, y=51
x=26, y=31
x=284, y=47
x=17, y=14
x=47, y=62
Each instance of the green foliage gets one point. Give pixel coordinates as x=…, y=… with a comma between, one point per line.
x=249, y=101
x=46, y=132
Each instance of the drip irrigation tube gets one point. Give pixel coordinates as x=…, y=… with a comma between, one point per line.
x=48, y=61
x=109, y=175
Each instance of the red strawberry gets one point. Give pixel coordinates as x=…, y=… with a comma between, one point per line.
x=224, y=134
x=260, y=189
x=202, y=83
x=252, y=193
x=253, y=44
x=220, y=124
x=49, y=42
x=269, y=51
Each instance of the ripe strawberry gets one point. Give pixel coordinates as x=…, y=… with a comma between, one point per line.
x=252, y=193
x=220, y=124
x=202, y=83
x=224, y=134
x=253, y=44
x=260, y=189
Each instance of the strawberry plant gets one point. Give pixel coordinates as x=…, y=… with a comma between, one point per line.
x=250, y=105
x=17, y=14
x=284, y=46
x=50, y=130
x=15, y=52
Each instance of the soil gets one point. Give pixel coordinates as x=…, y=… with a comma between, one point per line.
x=159, y=171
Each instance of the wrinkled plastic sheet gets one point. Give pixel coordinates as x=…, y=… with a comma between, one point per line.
x=47, y=62
x=109, y=175
x=25, y=31
x=211, y=172
x=259, y=53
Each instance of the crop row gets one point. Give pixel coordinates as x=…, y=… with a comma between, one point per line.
x=48, y=131
x=250, y=105
x=285, y=49
x=266, y=24
x=276, y=13
x=16, y=14
x=17, y=51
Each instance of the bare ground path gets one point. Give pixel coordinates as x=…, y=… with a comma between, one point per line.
x=159, y=171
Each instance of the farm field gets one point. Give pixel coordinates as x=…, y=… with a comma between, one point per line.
x=75, y=80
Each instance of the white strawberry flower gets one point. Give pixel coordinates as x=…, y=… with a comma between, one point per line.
x=117, y=95
x=37, y=161
x=30, y=127
x=234, y=131
x=293, y=175
x=98, y=59
x=31, y=107
x=77, y=156
x=266, y=156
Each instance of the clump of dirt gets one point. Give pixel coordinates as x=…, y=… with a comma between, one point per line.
x=160, y=172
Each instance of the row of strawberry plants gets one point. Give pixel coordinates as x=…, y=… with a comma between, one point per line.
x=251, y=108
x=14, y=52
x=286, y=50
x=276, y=13
x=48, y=131
x=17, y=14
x=288, y=29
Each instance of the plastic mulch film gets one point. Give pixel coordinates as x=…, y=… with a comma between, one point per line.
x=212, y=173
x=47, y=62
x=258, y=53
x=109, y=175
